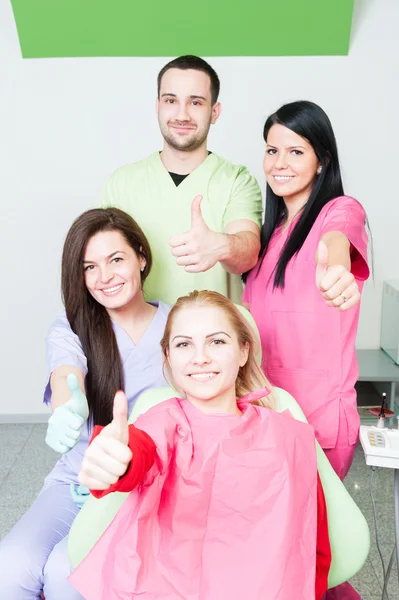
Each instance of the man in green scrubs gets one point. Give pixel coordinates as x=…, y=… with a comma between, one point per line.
x=201, y=214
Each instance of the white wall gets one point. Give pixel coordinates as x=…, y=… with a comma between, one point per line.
x=65, y=124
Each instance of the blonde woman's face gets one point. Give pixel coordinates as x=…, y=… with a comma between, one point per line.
x=204, y=353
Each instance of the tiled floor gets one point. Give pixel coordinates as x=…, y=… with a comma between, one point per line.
x=25, y=460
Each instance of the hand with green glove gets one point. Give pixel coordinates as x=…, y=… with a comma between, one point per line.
x=66, y=423
x=80, y=494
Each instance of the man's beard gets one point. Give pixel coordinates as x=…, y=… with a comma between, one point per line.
x=187, y=143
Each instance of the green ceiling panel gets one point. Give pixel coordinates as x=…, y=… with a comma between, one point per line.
x=75, y=28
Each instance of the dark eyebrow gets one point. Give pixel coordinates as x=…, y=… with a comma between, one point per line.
x=287, y=147
x=193, y=96
x=110, y=256
x=187, y=337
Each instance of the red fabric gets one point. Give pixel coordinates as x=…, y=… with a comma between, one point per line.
x=323, y=549
x=143, y=451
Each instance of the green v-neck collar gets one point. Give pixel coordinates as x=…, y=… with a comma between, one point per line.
x=197, y=173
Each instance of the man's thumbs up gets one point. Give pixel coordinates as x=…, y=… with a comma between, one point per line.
x=197, y=219
x=197, y=250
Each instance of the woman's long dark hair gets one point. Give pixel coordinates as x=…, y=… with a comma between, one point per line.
x=310, y=122
x=88, y=319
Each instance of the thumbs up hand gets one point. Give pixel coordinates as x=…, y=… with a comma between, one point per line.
x=108, y=456
x=199, y=249
x=78, y=401
x=66, y=423
x=336, y=284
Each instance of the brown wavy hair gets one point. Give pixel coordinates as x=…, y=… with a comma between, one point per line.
x=88, y=319
x=250, y=377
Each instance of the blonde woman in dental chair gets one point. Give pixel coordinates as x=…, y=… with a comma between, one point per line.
x=213, y=475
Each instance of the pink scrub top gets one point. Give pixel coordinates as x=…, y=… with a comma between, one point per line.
x=308, y=348
x=227, y=511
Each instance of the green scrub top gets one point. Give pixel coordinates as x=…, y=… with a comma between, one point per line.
x=147, y=192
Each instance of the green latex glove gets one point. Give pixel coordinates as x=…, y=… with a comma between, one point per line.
x=80, y=494
x=66, y=423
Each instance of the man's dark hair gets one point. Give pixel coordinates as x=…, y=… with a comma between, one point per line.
x=197, y=64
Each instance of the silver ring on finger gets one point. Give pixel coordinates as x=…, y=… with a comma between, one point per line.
x=344, y=298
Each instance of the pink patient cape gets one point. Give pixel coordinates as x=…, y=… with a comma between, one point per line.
x=228, y=511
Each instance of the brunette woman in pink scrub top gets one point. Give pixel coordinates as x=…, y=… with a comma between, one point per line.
x=305, y=291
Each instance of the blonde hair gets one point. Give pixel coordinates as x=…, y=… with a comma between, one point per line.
x=250, y=377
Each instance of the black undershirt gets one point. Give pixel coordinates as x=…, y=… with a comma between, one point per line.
x=177, y=179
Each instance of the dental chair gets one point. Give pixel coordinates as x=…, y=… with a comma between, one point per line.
x=348, y=529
